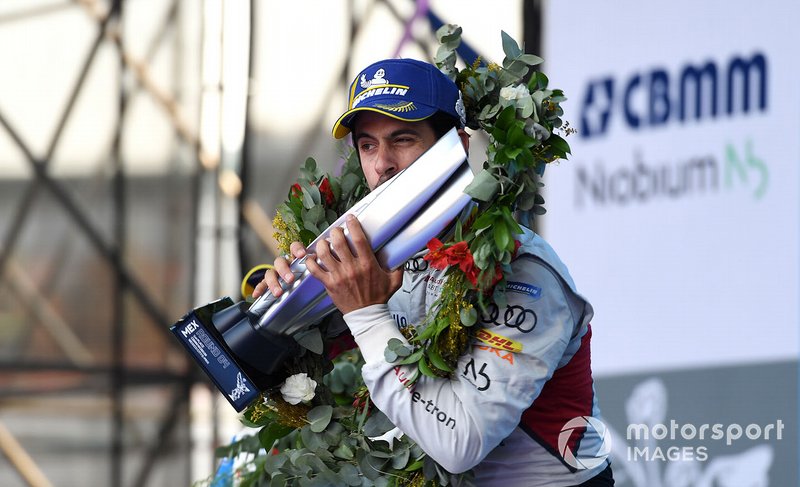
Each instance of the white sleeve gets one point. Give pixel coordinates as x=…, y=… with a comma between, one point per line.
x=459, y=420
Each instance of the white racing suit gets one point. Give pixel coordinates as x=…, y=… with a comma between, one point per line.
x=528, y=375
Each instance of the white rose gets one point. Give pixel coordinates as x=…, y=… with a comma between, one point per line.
x=512, y=93
x=298, y=388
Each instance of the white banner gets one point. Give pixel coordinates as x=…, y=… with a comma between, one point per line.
x=678, y=212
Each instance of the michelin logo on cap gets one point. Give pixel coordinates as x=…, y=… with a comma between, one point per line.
x=378, y=79
x=378, y=85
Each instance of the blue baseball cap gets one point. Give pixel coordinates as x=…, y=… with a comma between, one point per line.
x=405, y=89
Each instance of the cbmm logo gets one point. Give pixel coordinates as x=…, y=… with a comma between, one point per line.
x=652, y=99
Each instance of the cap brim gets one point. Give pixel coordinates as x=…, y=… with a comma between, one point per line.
x=341, y=127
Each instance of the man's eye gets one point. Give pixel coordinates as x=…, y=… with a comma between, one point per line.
x=366, y=146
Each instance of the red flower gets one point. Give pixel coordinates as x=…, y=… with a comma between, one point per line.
x=297, y=191
x=517, y=245
x=458, y=253
x=437, y=257
x=325, y=190
x=470, y=270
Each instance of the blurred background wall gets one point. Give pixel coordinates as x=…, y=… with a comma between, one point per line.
x=144, y=145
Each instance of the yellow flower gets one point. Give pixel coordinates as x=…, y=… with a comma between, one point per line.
x=285, y=232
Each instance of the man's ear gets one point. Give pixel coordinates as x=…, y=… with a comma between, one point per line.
x=464, y=139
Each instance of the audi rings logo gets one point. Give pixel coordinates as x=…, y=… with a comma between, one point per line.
x=417, y=264
x=584, y=462
x=514, y=316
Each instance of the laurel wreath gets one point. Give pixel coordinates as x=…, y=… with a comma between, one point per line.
x=331, y=439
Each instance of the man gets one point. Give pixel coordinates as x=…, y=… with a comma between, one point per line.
x=502, y=411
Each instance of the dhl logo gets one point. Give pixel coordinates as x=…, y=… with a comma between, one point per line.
x=495, y=340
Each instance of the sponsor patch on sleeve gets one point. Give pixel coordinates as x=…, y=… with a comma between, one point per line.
x=496, y=340
x=524, y=288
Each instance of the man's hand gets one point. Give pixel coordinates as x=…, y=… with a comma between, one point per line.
x=353, y=278
x=281, y=268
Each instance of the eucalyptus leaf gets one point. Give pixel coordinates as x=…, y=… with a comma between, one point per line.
x=530, y=59
x=400, y=459
x=319, y=417
x=390, y=356
x=311, y=227
x=377, y=425
x=526, y=200
x=312, y=440
x=448, y=32
x=315, y=214
x=510, y=46
x=278, y=480
x=349, y=475
x=369, y=467
x=468, y=316
x=343, y=451
x=499, y=297
x=311, y=165
x=483, y=187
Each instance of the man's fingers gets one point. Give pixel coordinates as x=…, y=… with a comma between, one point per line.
x=358, y=237
x=315, y=269
x=339, y=245
x=325, y=256
x=259, y=289
x=297, y=250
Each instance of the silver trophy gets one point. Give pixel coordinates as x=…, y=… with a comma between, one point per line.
x=399, y=218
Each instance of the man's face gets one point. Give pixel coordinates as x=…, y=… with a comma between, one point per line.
x=386, y=145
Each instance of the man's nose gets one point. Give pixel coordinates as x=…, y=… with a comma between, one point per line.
x=385, y=164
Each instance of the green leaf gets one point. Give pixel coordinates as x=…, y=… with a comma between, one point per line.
x=483, y=187
x=526, y=200
x=311, y=196
x=448, y=33
x=468, y=316
x=510, y=46
x=311, y=165
x=315, y=214
x=272, y=432
x=278, y=480
x=349, y=183
x=506, y=118
x=413, y=358
x=390, y=356
x=425, y=368
x=377, y=425
x=312, y=440
x=349, y=475
x=437, y=360
x=320, y=417
x=530, y=59
x=538, y=81
x=559, y=144
x=502, y=236
x=273, y=462
x=370, y=467
x=400, y=459
x=343, y=451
